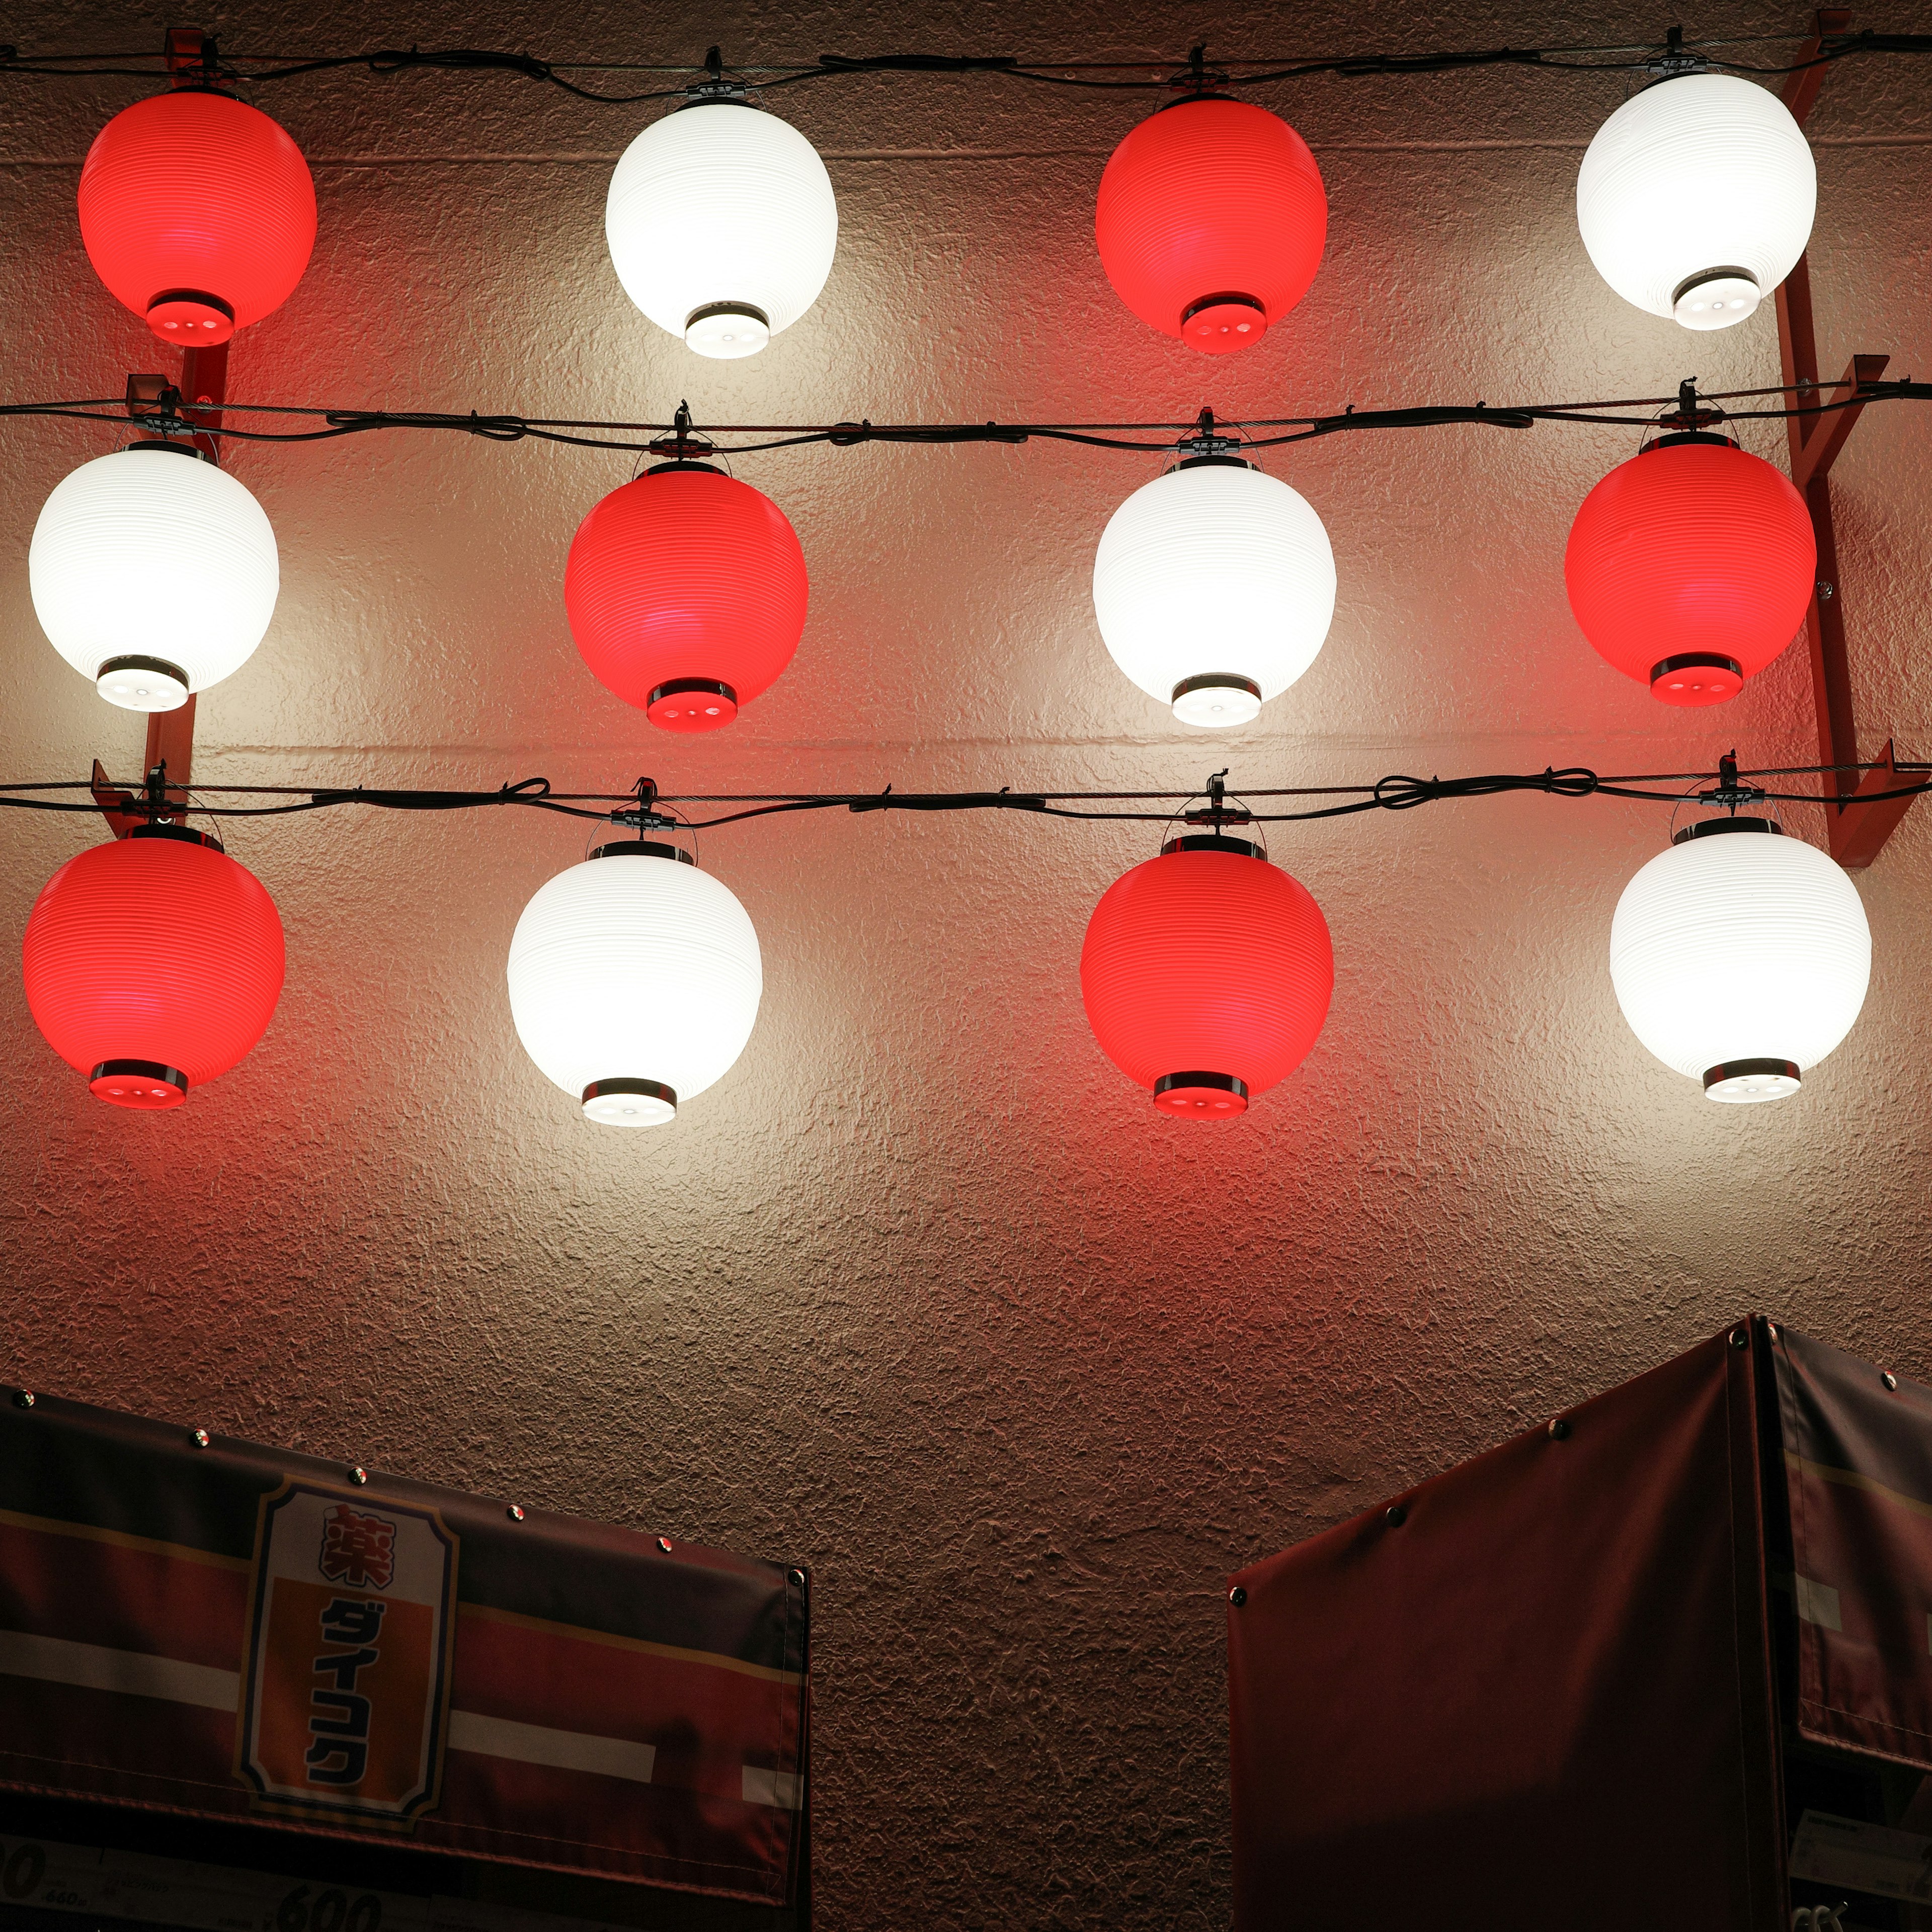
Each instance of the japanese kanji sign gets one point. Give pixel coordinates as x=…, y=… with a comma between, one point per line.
x=210, y=1628
x=347, y=1690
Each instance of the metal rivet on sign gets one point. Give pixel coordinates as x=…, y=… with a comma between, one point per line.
x=23, y=1398
x=1395, y=1515
x=664, y=1543
x=1771, y=1330
x=1559, y=1430
x=796, y=1578
x=1825, y=590
x=1237, y=1596
x=359, y=1474
x=201, y=1439
x=1890, y=1380
x=515, y=1512
x=1740, y=1339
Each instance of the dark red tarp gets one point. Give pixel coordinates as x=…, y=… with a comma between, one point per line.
x=1541, y=1701
x=233, y=1632
x=1858, y=1466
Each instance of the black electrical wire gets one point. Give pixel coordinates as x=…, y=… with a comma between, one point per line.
x=644, y=808
x=683, y=438
x=1133, y=76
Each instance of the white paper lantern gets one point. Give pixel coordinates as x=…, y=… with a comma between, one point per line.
x=1740, y=957
x=153, y=572
x=1695, y=198
x=722, y=225
x=1214, y=586
x=635, y=980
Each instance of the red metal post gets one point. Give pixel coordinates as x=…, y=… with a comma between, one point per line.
x=1857, y=829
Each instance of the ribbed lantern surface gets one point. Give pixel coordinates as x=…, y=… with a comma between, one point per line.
x=686, y=577
x=153, y=950
x=1695, y=197
x=1692, y=551
x=633, y=968
x=1210, y=222
x=191, y=196
x=1214, y=966
x=1215, y=567
x=1740, y=946
x=153, y=554
x=721, y=207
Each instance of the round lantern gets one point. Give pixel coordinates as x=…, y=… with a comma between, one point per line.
x=1690, y=567
x=153, y=572
x=152, y=964
x=721, y=225
x=1214, y=586
x=1695, y=198
x=1210, y=222
x=635, y=980
x=1207, y=974
x=198, y=213
x=1740, y=957
x=687, y=591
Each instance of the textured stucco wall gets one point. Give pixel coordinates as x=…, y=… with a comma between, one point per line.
x=924, y=1293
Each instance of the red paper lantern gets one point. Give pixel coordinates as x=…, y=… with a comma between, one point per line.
x=1210, y=220
x=686, y=591
x=152, y=964
x=1690, y=567
x=1207, y=974
x=198, y=213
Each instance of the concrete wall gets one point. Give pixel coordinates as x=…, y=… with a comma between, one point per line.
x=924, y=1292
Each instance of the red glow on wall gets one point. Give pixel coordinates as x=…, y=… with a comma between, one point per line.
x=1211, y=221
x=687, y=593
x=198, y=213
x=1690, y=567
x=1206, y=975
x=152, y=964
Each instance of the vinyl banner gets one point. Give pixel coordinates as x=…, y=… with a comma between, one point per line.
x=1858, y=1466
x=200, y=1625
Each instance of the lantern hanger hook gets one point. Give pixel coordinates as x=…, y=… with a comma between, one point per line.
x=1727, y=792
x=1692, y=413
x=682, y=445
x=714, y=87
x=1204, y=438
x=1197, y=80
x=1677, y=59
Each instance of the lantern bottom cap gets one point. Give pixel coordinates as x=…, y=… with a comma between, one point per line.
x=147, y=1085
x=630, y=1103
x=1696, y=677
x=1742, y=1082
x=1201, y=1097
x=692, y=704
x=190, y=318
x=726, y=331
x=1217, y=699
x=1715, y=298
x=143, y=684
x=1219, y=325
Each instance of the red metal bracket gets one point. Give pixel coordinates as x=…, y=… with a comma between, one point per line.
x=1857, y=825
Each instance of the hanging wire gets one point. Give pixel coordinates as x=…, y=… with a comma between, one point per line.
x=643, y=808
x=229, y=68
x=681, y=440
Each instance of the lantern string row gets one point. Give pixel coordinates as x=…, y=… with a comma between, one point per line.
x=1674, y=55
x=684, y=439
x=643, y=808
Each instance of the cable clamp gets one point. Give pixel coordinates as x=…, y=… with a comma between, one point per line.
x=1728, y=793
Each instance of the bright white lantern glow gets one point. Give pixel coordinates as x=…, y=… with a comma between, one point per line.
x=1740, y=958
x=635, y=980
x=1214, y=586
x=1695, y=198
x=722, y=225
x=153, y=573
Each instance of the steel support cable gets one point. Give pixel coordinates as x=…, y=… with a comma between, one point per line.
x=644, y=807
x=684, y=438
x=1127, y=76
